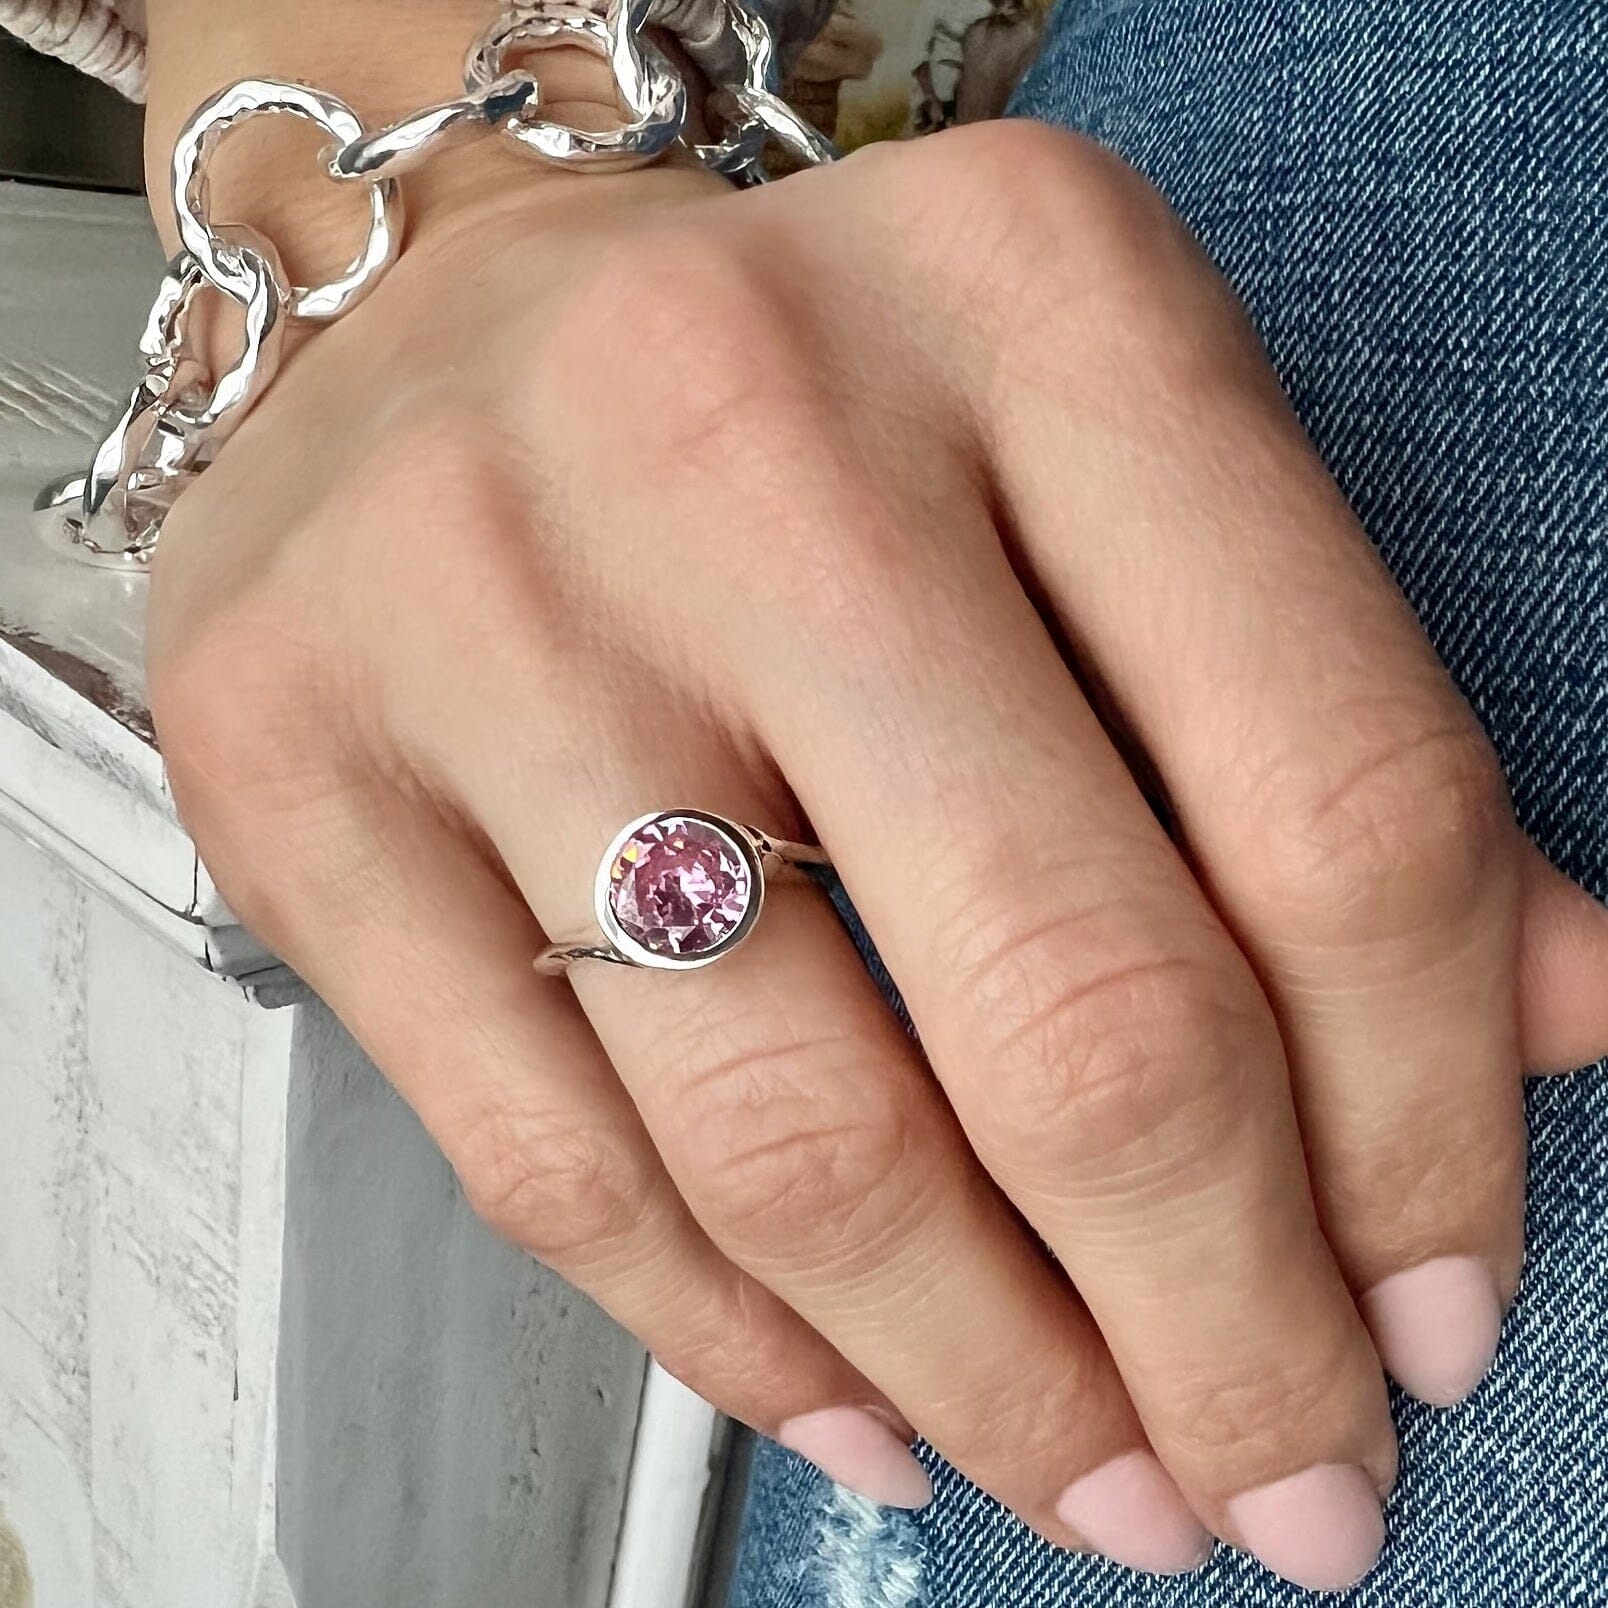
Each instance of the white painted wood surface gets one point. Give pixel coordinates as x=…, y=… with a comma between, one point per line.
x=254, y=1350
x=141, y=1113
x=679, y=1447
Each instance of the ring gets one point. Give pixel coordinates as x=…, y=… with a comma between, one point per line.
x=677, y=889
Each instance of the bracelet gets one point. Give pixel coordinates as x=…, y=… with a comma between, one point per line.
x=177, y=416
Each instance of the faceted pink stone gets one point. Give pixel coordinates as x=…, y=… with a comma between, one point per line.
x=679, y=887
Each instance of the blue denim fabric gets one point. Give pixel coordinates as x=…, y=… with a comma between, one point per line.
x=1412, y=197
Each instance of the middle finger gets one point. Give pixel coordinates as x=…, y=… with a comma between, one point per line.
x=1104, y=1043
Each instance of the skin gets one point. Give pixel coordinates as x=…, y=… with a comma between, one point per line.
x=632, y=492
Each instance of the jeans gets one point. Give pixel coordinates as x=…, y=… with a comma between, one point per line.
x=1412, y=198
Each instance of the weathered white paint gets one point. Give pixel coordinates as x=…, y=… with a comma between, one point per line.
x=456, y=1423
x=245, y=1315
x=141, y=1114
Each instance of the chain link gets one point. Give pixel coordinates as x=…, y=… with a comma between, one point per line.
x=177, y=416
x=645, y=82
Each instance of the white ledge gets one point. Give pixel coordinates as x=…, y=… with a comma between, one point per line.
x=80, y=775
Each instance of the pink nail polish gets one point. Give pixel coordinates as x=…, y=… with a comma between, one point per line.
x=1321, y=1528
x=1131, y=1510
x=857, y=1449
x=1436, y=1327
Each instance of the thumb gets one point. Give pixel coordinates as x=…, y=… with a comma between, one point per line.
x=1563, y=970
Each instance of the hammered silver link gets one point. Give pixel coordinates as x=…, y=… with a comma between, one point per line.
x=266, y=310
x=741, y=146
x=403, y=146
x=101, y=512
x=799, y=138
x=109, y=520
x=219, y=261
x=158, y=442
x=647, y=85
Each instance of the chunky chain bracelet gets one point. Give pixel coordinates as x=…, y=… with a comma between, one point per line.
x=178, y=415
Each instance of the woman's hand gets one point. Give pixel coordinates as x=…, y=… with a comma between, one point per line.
x=919, y=505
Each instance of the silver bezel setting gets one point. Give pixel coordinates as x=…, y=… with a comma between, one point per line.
x=743, y=844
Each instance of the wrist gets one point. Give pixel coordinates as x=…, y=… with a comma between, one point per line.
x=386, y=62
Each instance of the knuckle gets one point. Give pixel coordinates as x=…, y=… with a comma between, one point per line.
x=492, y=573
x=1115, y=1057
x=741, y=1351
x=1069, y=223
x=390, y=635
x=725, y=401
x=560, y=1188
x=1083, y=255
x=269, y=764
x=1411, y=829
x=704, y=368
x=1020, y=171
x=790, y=1145
x=814, y=1183
x=230, y=704
x=250, y=744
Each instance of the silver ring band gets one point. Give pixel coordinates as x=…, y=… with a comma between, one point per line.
x=677, y=890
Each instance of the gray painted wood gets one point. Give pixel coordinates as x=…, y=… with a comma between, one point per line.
x=456, y=1422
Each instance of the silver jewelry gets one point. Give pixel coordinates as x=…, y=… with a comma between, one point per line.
x=216, y=257
x=392, y=151
x=176, y=418
x=679, y=889
x=645, y=80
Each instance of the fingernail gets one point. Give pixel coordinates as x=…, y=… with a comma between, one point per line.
x=1321, y=1528
x=857, y=1449
x=1131, y=1510
x=1436, y=1327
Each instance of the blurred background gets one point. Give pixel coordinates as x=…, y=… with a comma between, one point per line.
x=58, y=126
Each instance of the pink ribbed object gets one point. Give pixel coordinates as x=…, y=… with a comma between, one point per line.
x=94, y=36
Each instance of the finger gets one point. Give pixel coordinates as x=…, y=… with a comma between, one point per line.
x=424, y=953
x=798, y=1121
x=1344, y=809
x=1100, y=1037
x=1563, y=970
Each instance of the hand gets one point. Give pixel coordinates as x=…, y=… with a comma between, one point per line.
x=842, y=507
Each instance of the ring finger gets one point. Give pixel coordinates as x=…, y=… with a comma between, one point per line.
x=803, y=1129
x=423, y=950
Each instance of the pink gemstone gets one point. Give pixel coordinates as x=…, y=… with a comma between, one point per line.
x=679, y=887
